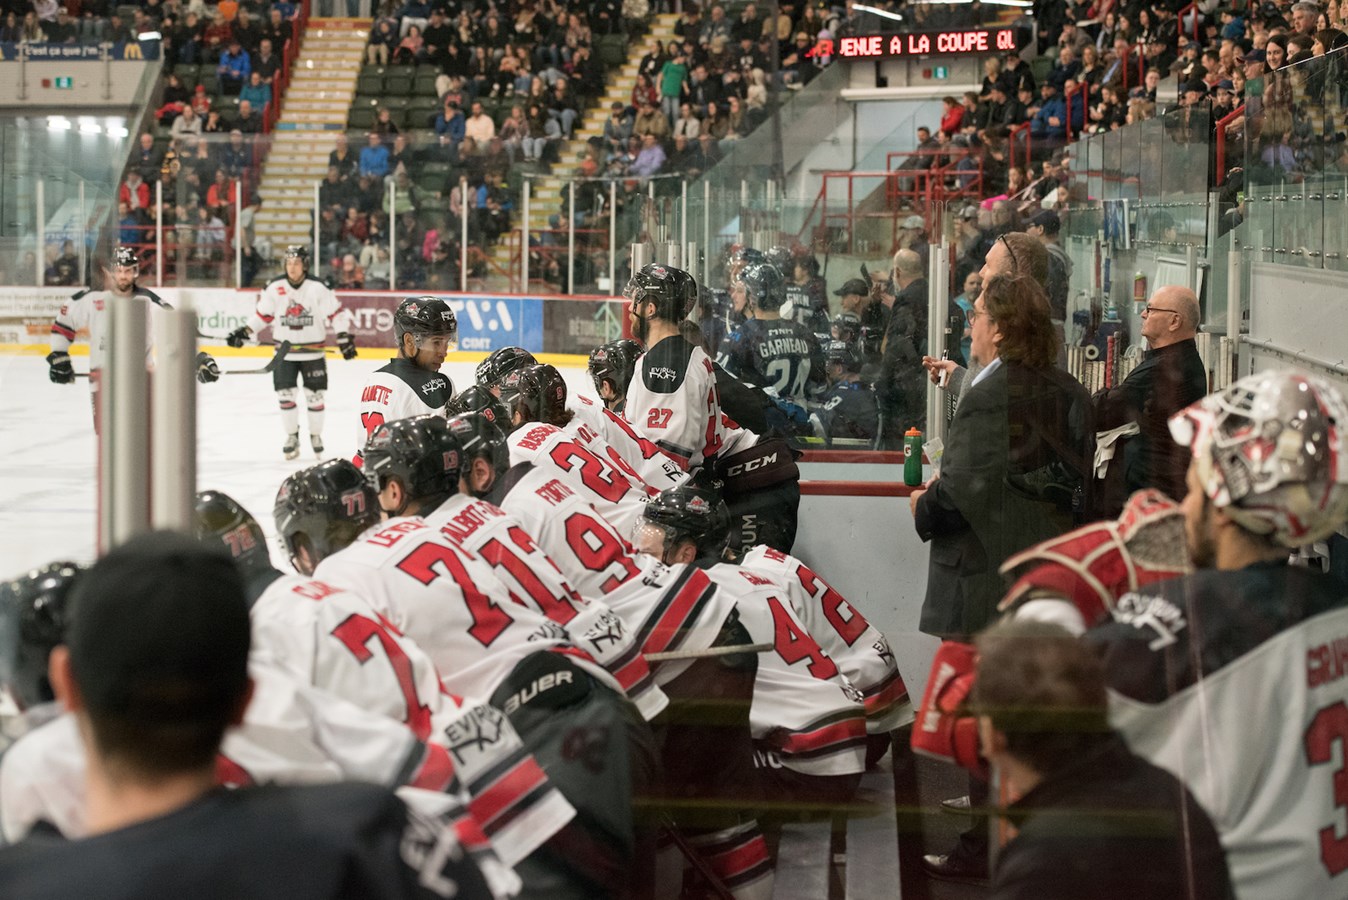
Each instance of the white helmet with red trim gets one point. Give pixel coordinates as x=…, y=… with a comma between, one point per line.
x=1270, y=454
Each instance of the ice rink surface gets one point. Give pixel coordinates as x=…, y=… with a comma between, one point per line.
x=48, y=493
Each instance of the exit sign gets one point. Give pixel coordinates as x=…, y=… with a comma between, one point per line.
x=64, y=82
x=940, y=72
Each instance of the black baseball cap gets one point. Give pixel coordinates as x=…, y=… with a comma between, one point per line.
x=1048, y=220
x=854, y=286
x=159, y=632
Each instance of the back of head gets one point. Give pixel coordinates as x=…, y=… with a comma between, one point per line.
x=222, y=521
x=846, y=327
x=908, y=263
x=843, y=353
x=1029, y=257
x=502, y=365
x=324, y=508
x=1044, y=689
x=1266, y=453
x=690, y=511
x=33, y=618
x=1019, y=308
x=540, y=396
x=764, y=285
x=476, y=398
x=158, y=646
x=420, y=452
x=672, y=290
x=481, y=436
x=616, y=363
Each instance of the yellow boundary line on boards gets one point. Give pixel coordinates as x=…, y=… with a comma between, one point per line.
x=553, y=359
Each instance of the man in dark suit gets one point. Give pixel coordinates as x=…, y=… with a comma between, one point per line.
x=1015, y=455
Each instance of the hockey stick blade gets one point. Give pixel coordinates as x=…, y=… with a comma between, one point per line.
x=281, y=350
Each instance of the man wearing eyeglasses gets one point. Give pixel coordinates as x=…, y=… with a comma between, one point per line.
x=1134, y=449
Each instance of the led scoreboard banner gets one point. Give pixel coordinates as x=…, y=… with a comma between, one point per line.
x=954, y=42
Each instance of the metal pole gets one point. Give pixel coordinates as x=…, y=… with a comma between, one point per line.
x=318, y=255
x=159, y=234
x=41, y=232
x=238, y=233
x=124, y=454
x=1191, y=267
x=84, y=222
x=938, y=277
x=613, y=238
x=392, y=236
x=463, y=235
x=524, y=238
x=571, y=237
x=683, y=215
x=173, y=423
x=706, y=232
x=1234, y=288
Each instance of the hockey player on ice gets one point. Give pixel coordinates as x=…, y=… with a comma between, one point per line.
x=300, y=309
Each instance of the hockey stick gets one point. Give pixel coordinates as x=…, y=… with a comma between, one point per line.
x=710, y=651
x=282, y=349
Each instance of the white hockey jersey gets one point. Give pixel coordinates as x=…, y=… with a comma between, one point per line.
x=804, y=711
x=397, y=391
x=667, y=608
x=88, y=310
x=860, y=650
x=629, y=450
x=333, y=640
x=300, y=314
x=447, y=600
x=617, y=495
x=673, y=402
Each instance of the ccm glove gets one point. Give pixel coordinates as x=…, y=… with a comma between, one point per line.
x=237, y=336
x=61, y=370
x=347, y=344
x=207, y=370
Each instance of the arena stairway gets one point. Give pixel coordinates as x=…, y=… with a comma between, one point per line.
x=313, y=110
x=548, y=195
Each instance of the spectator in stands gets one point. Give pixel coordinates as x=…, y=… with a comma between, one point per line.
x=236, y=156
x=748, y=23
x=1066, y=67
x=383, y=38
x=257, y=92
x=11, y=32
x=992, y=74
x=736, y=120
x=650, y=160
x=672, y=77
x=246, y=31
x=952, y=115
x=479, y=126
x=247, y=121
x=544, y=131
x=617, y=128
x=385, y=127
x=146, y=158
x=715, y=25
x=644, y=92
x=437, y=35
x=1017, y=73
x=220, y=196
x=129, y=225
x=1050, y=122
x=700, y=90
x=688, y=124
x=342, y=159
x=234, y=68
x=333, y=191
x=32, y=32
x=134, y=192
x=900, y=387
x=1073, y=37
x=374, y=157
x=711, y=153
x=513, y=132
x=410, y=48
x=1305, y=16
x=563, y=106
x=449, y=124
x=349, y=275
x=265, y=62
x=276, y=29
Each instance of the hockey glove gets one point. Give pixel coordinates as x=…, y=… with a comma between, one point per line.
x=237, y=336
x=61, y=370
x=207, y=370
x=347, y=344
x=945, y=728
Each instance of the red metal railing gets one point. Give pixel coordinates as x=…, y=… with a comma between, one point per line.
x=1222, y=123
x=289, y=53
x=1192, y=10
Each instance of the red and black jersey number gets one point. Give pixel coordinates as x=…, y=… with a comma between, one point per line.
x=355, y=633
x=1330, y=726
x=598, y=549
x=794, y=643
x=428, y=561
x=849, y=624
x=560, y=606
x=595, y=474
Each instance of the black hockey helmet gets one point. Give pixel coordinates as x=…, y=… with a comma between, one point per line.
x=330, y=504
x=220, y=520
x=300, y=252
x=33, y=619
x=481, y=438
x=616, y=362
x=673, y=291
x=504, y=365
x=476, y=398
x=845, y=354
x=424, y=317
x=692, y=511
x=122, y=255
x=846, y=326
x=764, y=285
x=540, y=395
x=746, y=256
x=781, y=257
x=420, y=451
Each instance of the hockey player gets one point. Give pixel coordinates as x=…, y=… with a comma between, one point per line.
x=485, y=645
x=152, y=706
x=32, y=622
x=411, y=384
x=407, y=459
x=847, y=409
x=672, y=401
x=673, y=609
x=767, y=350
x=502, y=367
x=807, y=719
x=330, y=638
x=611, y=367
x=300, y=309
x=88, y=309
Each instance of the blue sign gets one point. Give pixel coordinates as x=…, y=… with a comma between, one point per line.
x=67, y=52
x=490, y=323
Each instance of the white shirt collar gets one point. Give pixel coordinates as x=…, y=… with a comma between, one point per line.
x=987, y=370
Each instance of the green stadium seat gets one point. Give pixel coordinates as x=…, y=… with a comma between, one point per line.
x=398, y=80
x=186, y=71
x=612, y=50
x=374, y=70
x=370, y=84
x=439, y=169
x=361, y=118
x=424, y=84
x=395, y=102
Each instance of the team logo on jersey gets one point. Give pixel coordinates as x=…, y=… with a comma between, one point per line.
x=474, y=733
x=296, y=316
x=1149, y=612
x=433, y=385
x=664, y=373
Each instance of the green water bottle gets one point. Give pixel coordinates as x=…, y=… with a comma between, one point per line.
x=912, y=457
